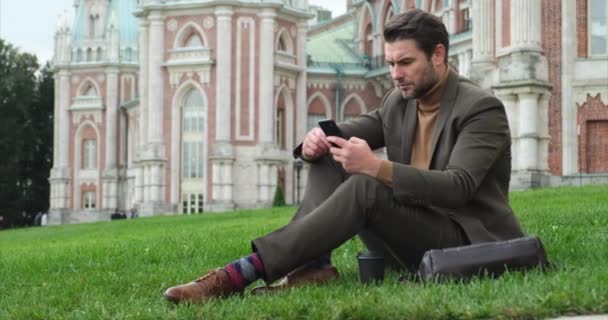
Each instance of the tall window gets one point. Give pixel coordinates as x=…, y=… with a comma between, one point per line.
x=92, y=25
x=89, y=154
x=598, y=27
x=193, y=152
x=88, y=200
x=280, y=127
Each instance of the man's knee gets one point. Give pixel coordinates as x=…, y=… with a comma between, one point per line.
x=363, y=181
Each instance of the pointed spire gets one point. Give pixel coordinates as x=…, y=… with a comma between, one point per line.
x=113, y=20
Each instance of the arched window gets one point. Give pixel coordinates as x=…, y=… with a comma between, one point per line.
x=280, y=123
x=99, y=54
x=90, y=91
x=193, y=152
x=89, y=154
x=194, y=41
x=79, y=55
x=93, y=20
x=369, y=40
x=316, y=113
x=89, y=54
x=281, y=46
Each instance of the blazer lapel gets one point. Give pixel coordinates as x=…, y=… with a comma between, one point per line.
x=410, y=120
x=445, y=108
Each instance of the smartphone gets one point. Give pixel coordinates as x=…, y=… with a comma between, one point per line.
x=330, y=128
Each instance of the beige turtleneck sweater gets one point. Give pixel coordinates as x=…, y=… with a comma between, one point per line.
x=428, y=109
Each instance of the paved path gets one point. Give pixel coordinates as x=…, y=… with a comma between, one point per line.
x=597, y=317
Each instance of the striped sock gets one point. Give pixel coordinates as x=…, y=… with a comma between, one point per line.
x=245, y=270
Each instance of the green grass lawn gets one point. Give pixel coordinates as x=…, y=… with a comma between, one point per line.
x=120, y=269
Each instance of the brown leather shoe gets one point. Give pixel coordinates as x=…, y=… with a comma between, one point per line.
x=300, y=277
x=215, y=284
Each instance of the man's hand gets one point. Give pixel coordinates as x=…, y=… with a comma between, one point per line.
x=355, y=156
x=315, y=144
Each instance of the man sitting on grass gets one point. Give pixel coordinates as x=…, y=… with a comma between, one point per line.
x=445, y=183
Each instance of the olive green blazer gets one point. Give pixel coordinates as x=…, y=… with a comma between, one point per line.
x=470, y=167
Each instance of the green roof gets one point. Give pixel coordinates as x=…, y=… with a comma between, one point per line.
x=127, y=23
x=335, y=45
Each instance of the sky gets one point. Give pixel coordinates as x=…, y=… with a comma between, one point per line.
x=30, y=24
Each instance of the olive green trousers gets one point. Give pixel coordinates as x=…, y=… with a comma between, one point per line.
x=337, y=206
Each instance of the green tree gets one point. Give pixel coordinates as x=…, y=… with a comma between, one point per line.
x=279, y=198
x=26, y=110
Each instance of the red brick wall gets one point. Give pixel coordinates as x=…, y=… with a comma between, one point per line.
x=593, y=138
x=581, y=28
x=506, y=23
x=552, y=47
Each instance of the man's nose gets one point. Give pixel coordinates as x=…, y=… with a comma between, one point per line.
x=396, y=73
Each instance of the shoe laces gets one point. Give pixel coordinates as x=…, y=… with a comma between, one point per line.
x=217, y=282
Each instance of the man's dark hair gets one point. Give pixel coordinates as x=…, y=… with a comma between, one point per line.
x=425, y=29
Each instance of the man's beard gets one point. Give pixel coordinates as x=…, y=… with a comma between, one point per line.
x=428, y=82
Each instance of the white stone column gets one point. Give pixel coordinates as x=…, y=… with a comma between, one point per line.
x=528, y=131
x=156, y=183
x=222, y=158
x=570, y=146
x=526, y=23
x=59, y=176
x=224, y=73
x=266, y=100
x=301, y=106
x=510, y=102
x=56, y=118
x=377, y=45
x=451, y=26
x=155, y=79
x=467, y=59
x=110, y=174
x=64, y=118
x=111, y=117
x=147, y=178
x=139, y=184
x=227, y=179
x=543, y=132
x=483, y=30
x=143, y=82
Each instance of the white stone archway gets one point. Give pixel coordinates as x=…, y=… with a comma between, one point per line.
x=77, y=158
x=176, y=129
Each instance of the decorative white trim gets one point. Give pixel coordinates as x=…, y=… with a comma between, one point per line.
x=187, y=61
x=172, y=25
x=80, y=89
x=245, y=23
x=179, y=37
x=208, y=23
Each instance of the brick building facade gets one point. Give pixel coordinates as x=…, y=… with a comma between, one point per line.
x=194, y=105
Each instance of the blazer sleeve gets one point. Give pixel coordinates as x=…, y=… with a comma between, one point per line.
x=368, y=127
x=483, y=137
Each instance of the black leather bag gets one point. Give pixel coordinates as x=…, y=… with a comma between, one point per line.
x=489, y=258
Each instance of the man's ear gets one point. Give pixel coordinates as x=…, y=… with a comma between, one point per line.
x=438, y=56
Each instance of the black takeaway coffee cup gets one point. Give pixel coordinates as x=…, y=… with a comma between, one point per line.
x=371, y=267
